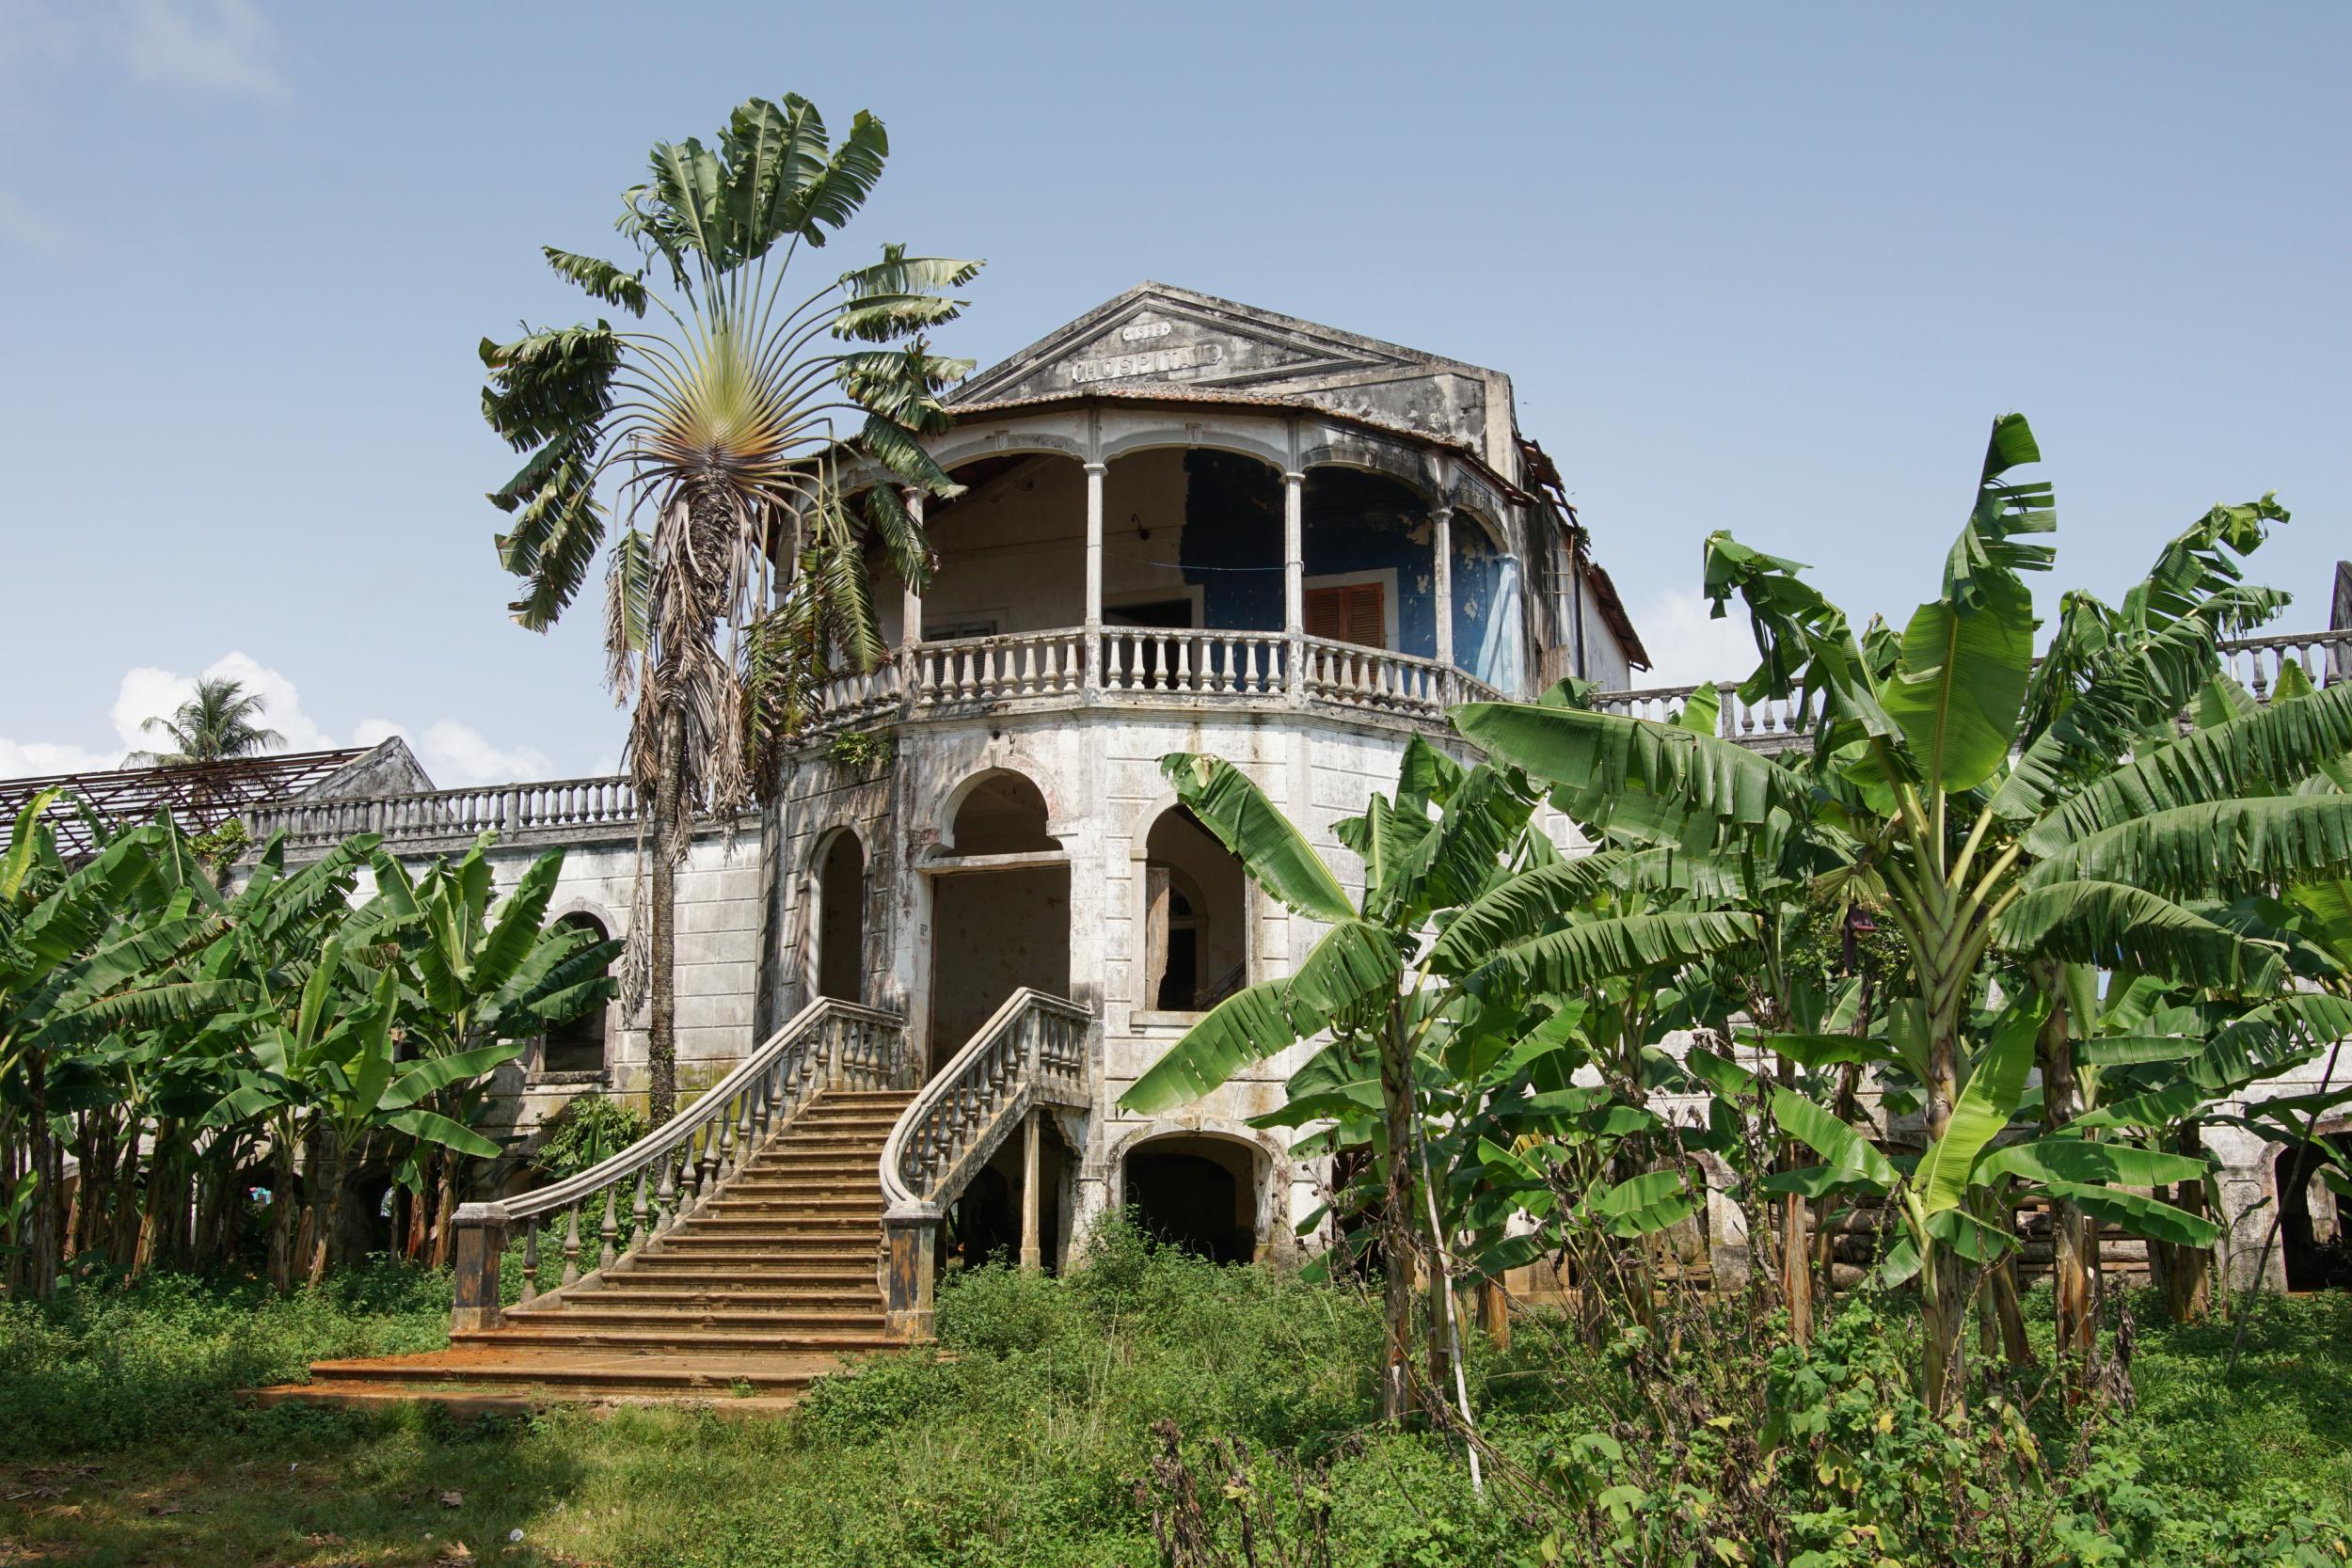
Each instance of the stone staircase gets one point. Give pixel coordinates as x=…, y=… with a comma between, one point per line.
x=751, y=1297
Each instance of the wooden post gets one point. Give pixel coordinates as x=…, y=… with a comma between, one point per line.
x=481, y=1230
x=1032, y=1253
x=1154, y=933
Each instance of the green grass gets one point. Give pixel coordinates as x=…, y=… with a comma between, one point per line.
x=1022, y=1441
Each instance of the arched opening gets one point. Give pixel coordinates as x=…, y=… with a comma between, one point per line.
x=1004, y=814
x=1371, y=571
x=577, y=1044
x=1011, y=552
x=841, y=919
x=1192, y=538
x=1200, y=1193
x=1487, y=617
x=995, y=928
x=2310, y=1221
x=1196, y=950
x=983, y=1223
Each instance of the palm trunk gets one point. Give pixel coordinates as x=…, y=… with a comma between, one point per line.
x=1396, y=1281
x=668, y=848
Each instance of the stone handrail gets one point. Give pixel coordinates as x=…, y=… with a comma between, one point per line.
x=2253, y=662
x=455, y=813
x=1348, y=674
x=1142, y=665
x=991, y=669
x=1204, y=663
x=679, y=1167
x=1031, y=1052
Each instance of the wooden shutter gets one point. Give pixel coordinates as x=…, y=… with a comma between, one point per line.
x=1352, y=612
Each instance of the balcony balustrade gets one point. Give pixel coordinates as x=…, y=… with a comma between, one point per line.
x=1145, y=666
x=1136, y=667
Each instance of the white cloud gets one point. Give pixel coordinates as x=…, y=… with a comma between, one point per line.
x=452, y=753
x=148, y=693
x=225, y=48
x=1688, y=647
x=22, y=758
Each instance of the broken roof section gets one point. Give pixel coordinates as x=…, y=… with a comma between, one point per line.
x=202, y=796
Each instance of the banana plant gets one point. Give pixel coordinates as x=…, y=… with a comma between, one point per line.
x=481, y=973
x=1997, y=813
x=324, y=1074
x=1457, y=909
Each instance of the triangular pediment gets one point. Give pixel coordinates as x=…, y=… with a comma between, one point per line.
x=1155, y=336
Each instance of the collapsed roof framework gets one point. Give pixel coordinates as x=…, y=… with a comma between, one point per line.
x=200, y=794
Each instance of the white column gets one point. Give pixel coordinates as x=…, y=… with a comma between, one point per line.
x=910, y=596
x=1442, y=542
x=1032, y=1247
x=1295, y=579
x=1094, y=576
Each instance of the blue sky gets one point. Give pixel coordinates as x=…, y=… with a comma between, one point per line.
x=1765, y=268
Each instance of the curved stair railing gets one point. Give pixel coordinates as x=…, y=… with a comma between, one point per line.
x=630, y=1201
x=1031, y=1053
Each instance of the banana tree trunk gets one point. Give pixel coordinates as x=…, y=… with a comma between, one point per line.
x=48, y=1178
x=1396, y=1281
x=281, y=1209
x=2073, y=1237
x=668, y=848
x=318, y=1219
x=1796, y=1254
x=2185, y=1272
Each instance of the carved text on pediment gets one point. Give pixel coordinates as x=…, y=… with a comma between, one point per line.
x=1157, y=361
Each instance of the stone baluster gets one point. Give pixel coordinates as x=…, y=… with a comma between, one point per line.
x=531, y=1264
x=665, y=1195
x=571, y=1245
x=610, y=1231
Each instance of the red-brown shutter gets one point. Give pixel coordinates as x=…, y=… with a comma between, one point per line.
x=1353, y=613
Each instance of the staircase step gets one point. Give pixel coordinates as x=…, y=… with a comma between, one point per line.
x=744, y=1261
x=684, y=1340
x=815, y=1289
x=581, y=1371
x=582, y=1317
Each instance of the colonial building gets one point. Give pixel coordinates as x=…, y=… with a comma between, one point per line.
x=974, y=912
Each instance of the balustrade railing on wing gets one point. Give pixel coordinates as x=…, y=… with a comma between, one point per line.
x=2254, y=662
x=613, y=1210
x=1204, y=663
x=1768, y=723
x=454, y=813
x=991, y=669
x=1032, y=1051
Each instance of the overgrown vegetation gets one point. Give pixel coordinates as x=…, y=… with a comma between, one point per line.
x=194, y=1077
x=1156, y=1398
